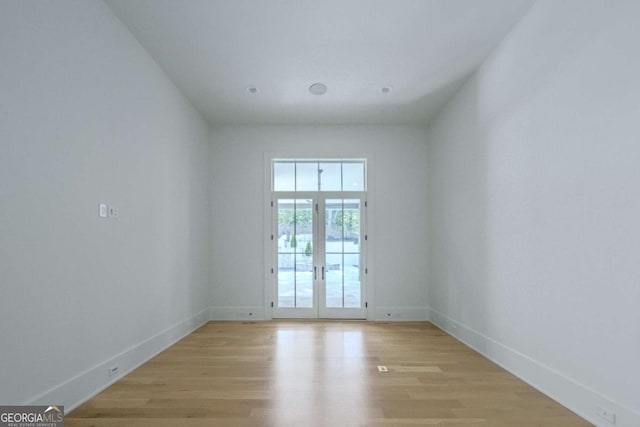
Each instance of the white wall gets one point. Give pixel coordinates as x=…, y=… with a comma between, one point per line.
x=534, y=173
x=397, y=212
x=86, y=117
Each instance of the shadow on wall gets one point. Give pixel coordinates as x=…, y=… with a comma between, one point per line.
x=459, y=231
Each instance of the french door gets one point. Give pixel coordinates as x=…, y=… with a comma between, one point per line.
x=318, y=247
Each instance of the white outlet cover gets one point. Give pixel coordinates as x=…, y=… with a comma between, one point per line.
x=606, y=414
x=103, y=210
x=113, y=370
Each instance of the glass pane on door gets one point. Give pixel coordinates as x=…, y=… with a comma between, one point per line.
x=342, y=253
x=295, y=253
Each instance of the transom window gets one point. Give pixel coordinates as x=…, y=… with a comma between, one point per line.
x=318, y=175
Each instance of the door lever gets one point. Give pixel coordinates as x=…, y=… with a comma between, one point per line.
x=323, y=272
x=315, y=272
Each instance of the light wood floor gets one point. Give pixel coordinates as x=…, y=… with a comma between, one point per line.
x=320, y=374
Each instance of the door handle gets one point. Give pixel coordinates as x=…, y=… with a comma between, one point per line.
x=323, y=272
x=315, y=272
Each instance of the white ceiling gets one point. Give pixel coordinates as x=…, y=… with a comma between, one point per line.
x=214, y=49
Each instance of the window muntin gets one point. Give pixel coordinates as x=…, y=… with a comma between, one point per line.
x=318, y=175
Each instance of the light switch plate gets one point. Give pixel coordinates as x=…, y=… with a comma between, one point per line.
x=103, y=210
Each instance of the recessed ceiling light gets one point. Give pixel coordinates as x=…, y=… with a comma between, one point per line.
x=386, y=89
x=318, y=89
x=252, y=89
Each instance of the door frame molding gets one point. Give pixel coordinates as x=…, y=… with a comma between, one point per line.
x=268, y=256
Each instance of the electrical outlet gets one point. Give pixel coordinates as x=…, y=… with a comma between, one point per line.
x=113, y=212
x=103, y=210
x=113, y=370
x=606, y=414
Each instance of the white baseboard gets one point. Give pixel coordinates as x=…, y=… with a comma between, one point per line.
x=236, y=313
x=86, y=384
x=391, y=314
x=400, y=314
x=566, y=391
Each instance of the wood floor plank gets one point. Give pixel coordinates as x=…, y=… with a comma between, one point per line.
x=286, y=373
